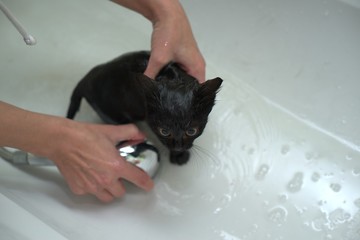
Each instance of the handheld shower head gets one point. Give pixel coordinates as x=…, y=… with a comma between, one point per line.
x=29, y=40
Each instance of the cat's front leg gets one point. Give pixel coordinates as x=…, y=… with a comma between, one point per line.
x=179, y=158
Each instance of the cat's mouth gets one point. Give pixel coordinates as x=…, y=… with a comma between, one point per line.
x=179, y=158
x=178, y=149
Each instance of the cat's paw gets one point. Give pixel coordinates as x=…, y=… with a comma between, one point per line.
x=179, y=158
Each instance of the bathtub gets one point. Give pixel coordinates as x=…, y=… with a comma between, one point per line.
x=279, y=158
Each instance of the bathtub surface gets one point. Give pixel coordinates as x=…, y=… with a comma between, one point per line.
x=279, y=158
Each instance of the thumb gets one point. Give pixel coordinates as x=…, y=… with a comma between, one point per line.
x=126, y=132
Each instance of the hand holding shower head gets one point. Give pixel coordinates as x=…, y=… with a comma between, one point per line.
x=142, y=155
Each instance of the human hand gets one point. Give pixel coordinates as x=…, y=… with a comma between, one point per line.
x=173, y=40
x=84, y=153
x=91, y=164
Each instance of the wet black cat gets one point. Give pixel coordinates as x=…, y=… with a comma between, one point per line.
x=175, y=105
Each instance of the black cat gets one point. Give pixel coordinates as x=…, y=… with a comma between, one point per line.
x=175, y=105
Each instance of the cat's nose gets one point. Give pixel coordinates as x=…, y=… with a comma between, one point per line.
x=178, y=149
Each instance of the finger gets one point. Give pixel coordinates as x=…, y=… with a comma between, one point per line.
x=195, y=68
x=116, y=189
x=136, y=175
x=156, y=63
x=125, y=132
x=199, y=74
x=104, y=196
x=151, y=72
x=129, y=143
x=130, y=132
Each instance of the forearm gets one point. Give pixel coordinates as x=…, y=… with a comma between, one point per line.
x=29, y=131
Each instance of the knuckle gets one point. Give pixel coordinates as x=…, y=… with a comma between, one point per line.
x=106, y=180
x=92, y=188
x=118, y=166
x=160, y=60
x=105, y=198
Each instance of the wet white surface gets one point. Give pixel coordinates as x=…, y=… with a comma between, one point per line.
x=279, y=158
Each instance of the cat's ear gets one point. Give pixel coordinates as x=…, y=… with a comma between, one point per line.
x=149, y=90
x=209, y=88
x=205, y=95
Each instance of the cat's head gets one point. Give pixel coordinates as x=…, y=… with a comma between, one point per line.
x=178, y=112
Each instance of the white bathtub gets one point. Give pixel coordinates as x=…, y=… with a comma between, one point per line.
x=279, y=158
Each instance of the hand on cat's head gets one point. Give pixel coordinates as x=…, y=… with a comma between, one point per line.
x=172, y=40
x=193, y=65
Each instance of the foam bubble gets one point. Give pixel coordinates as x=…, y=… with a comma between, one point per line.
x=278, y=215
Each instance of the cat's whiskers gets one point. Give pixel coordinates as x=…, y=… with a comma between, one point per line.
x=200, y=151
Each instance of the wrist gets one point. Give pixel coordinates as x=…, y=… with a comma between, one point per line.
x=154, y=10
x=165, y=10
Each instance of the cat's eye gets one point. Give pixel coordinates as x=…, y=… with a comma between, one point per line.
x=164, y=132
x=191, y=132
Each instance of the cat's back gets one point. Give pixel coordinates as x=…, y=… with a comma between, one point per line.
x=135, y=62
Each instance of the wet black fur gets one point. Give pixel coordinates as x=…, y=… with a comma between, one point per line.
x=120, y=93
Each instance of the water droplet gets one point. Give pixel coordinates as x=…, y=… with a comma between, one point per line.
x=329, y=175
x=277, y=215
x=318, y=224
x=217, y=210
x=208, y=197
x=335, y=187
x=357, y=202
x=339, y=216
x=315, y=177
x=261, y=173
x=296, y=182
x=348, y=157
x=300, y=210
x=285, y=149
x=356, y=172
x=251, y=151
x=226, y=199
x=353, y=228
x=309, y=156
x=283, y=198
x=328, y=237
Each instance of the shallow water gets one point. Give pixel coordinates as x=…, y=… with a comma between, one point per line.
x=278, y=162
x=255, y=174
